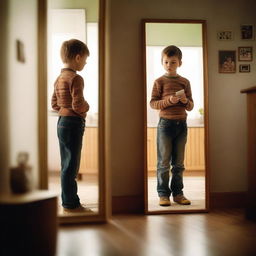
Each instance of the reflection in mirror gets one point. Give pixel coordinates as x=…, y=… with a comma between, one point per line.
x=65, y=22
x=188, y=37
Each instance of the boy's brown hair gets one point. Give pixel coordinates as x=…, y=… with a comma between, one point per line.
x=172, y=50
x=71, y=48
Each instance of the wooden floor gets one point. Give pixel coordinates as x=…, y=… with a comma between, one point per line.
x=194, y=190
x=218, y=233
x=87, y=190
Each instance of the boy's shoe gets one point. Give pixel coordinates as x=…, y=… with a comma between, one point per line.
x=79, y=209
x=181, y=199
x=164, y=201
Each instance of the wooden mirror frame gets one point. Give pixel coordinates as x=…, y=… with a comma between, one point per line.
x=206, y=113
x=42, y=115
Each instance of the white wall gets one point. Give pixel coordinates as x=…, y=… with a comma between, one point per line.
x=22, y=82
x=125, y=89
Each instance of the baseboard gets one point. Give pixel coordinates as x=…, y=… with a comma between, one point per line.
x=188, y=172
x=128, y=204
x=135, y=203
x=227, y=200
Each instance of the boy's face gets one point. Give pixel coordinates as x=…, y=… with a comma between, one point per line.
x=171, y=64
x=81, y=61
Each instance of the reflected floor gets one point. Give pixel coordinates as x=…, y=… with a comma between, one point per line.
x=87, y=191
x=194, y=190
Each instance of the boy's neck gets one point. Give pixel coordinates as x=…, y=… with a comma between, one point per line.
x=70, y=66
x=171, y=74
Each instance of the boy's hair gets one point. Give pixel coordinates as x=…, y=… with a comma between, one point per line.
x=71, y=48
x=172, y=50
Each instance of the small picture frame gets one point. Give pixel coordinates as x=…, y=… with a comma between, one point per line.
x=245, y=53
x=244, y=68
x=225, y=35
x=247, y=32
x=227, y=61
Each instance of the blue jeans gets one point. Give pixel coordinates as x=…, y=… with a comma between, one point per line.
x=70, y=131
x=171, y=141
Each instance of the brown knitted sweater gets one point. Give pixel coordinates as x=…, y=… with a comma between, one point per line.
x=68, y=97
x=163, y=88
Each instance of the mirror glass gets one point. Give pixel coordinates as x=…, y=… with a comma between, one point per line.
x=189, y=37
x=75, y=20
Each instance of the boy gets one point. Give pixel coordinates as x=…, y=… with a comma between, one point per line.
x=168, y=97
x=69, y=101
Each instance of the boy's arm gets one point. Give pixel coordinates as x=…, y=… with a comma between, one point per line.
x=54, y=100
x=156, y=101
x=79, y=104
x=190, y=104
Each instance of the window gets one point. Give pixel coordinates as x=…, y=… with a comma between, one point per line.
x=191, y=68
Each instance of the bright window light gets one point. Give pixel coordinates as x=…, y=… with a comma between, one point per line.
x=191, y=68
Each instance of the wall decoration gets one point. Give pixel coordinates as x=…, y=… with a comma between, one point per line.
x=247, y=32
x=245, y=53
x=244, y=68
x=227, y=61
x=20, y=52
x=226, y=35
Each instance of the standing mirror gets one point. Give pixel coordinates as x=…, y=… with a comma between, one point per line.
x=190, y=37
x=78, y=20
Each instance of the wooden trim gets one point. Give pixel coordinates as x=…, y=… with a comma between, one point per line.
x=143, y=50
x=187, y=21
x=206, y=116
x=94, y=218
x=104, y=195
x=206, y=109
x=227, y=200
x=42, y=94
x=249, y=90
x=133, y=204
x=127, y=204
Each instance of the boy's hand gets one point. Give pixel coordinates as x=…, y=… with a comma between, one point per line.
x=174, y=99
x=183, y=99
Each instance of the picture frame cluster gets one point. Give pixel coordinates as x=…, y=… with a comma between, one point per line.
x=227, y=58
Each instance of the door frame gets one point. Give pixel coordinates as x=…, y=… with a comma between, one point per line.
x=104, y=211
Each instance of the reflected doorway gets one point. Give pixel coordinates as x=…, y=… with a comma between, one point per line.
x=67, y=20
x=189, y=36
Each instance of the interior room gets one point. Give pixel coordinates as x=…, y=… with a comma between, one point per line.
x=122, y=225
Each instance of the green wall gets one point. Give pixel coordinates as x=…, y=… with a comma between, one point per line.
x=173, y=33
x=91, y=6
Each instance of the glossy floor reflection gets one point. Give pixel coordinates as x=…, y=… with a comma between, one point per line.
x=194, y=190
x=217, y=233
x=87, y=191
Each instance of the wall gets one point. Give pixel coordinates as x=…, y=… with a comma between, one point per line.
x=22, y=82
x=178, y=34
x=91, y=6
x=227, y=107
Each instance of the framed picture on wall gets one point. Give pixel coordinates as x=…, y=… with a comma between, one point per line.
x=247, y=32
x=245, y=53
x=244, y=68
x=227, y=61
x=225, y=35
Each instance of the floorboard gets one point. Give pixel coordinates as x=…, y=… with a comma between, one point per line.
x=218, y=233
